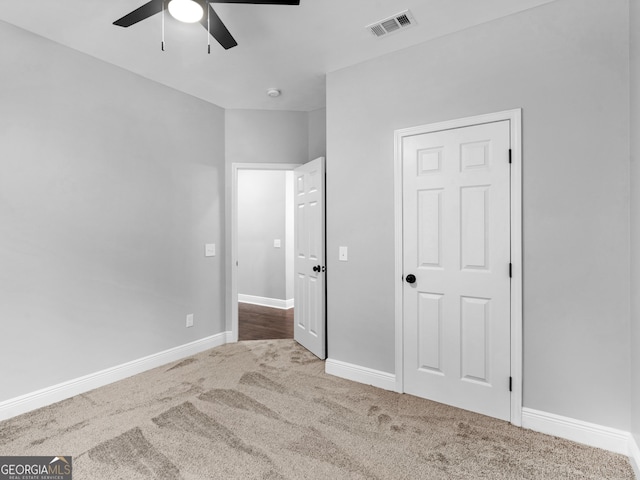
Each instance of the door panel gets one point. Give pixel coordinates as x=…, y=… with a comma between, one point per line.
x=474, y=327
x=430, y=332
x=309, y=313
x=474, y=230
x=430, y=213
x=456, y=241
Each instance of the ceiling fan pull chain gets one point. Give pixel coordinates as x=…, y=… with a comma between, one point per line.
x=208, y=27
x=162, y=44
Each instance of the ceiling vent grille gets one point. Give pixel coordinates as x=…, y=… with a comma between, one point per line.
x=397, y=22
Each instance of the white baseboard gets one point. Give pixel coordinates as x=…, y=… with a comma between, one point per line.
x=591, y=434
x=266, y=302
x=368, y=376
x=634, y=455
x=47, y=396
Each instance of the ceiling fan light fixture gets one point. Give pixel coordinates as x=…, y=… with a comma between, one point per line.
x=186, y=11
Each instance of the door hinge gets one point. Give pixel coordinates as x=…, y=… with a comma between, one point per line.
x=510, y=384
x=510, y=270
x=509, y=155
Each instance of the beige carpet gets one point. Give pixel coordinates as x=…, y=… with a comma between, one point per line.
x=267, y=410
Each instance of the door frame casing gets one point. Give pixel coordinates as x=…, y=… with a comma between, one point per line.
x=235, y=168
x=515, y=125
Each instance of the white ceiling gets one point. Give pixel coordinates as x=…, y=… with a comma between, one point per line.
x=287, y=47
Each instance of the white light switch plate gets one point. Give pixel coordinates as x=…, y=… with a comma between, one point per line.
x=210, y=250
x=277, y=243
x=342, y=255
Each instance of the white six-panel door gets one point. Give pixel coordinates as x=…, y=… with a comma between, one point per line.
x=309, y=263
x=456, y=242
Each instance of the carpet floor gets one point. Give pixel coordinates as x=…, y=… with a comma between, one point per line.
x=266, y=410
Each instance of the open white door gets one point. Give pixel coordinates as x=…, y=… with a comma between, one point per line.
x=309, y=313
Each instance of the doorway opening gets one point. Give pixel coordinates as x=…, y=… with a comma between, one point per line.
x=262, y=251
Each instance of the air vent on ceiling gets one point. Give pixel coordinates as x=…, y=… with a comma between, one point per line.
x=392, y=24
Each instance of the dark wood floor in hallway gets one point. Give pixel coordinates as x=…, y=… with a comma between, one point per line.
x=256, y=322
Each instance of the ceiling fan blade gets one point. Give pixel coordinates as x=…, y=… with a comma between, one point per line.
x=139, y=14
x=218, y=30
x=259, y=2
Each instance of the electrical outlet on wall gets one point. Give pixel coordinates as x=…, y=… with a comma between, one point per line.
x=190, y=320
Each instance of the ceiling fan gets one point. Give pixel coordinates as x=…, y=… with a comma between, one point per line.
x=191, y=11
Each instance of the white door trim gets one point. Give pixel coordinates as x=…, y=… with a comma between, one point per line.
x=515, y=119
x=235, y=167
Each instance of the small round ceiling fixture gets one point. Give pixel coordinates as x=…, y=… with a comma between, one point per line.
x=186, y=11
x=273, y=92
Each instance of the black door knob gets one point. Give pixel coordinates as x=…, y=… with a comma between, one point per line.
x=411, y=278
x=316, y=268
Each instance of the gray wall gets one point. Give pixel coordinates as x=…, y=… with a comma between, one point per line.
x=566, y=65
x=261, y=220
x=110, y=185
x=317, y=133
x=290, y=236
x=635, y=217
x=261, y=136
